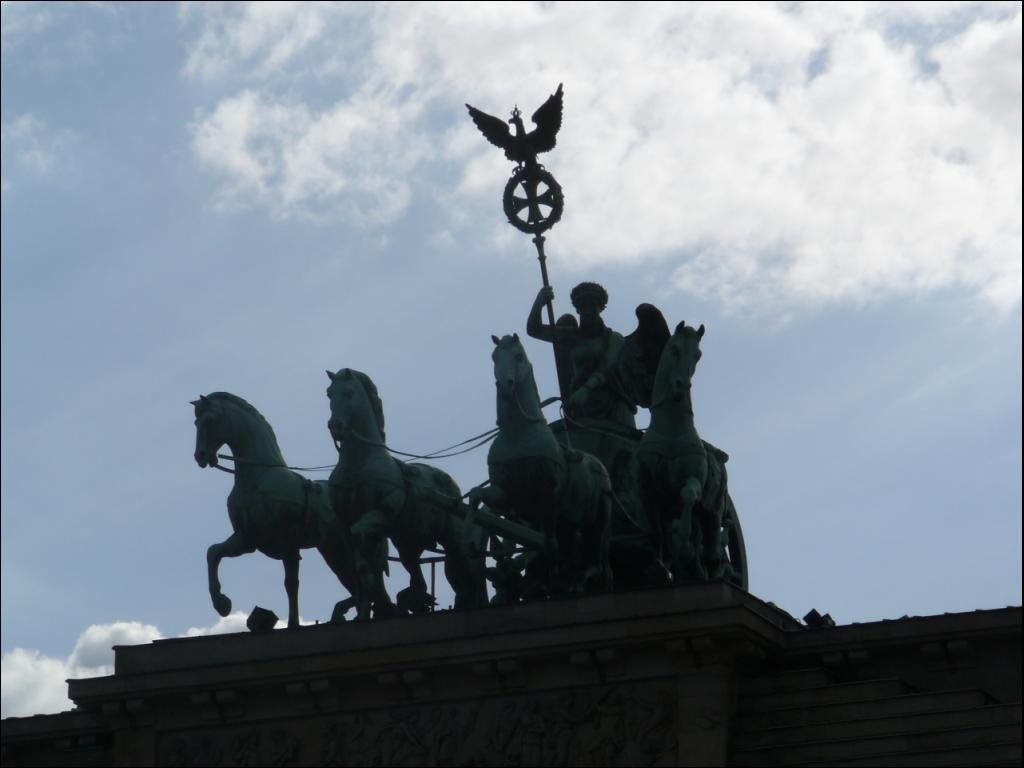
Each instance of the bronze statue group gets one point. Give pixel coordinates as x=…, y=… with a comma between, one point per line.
x=584, y=504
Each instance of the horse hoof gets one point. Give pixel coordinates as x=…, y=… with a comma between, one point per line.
x=222, y=604
x=340, y=609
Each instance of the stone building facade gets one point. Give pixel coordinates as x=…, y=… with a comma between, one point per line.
x=693, y=675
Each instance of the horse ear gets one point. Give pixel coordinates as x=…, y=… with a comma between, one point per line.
x=681, y=326
x=495, y=339
x=204, y=399
x=193, y=402
x=700, y=331
x=331, y=376
x=515, y=337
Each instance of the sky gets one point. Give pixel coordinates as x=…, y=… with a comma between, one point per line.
x=236, y=197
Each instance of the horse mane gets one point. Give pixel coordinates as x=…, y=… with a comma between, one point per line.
x=249, y=408
x=375, y=402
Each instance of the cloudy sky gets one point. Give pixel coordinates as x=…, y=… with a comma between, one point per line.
x=206, y=197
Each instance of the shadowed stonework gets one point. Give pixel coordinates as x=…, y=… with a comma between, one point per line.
x=695, y=675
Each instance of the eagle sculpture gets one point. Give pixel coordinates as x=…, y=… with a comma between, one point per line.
x=523, y=148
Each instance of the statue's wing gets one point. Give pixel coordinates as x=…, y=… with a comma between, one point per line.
x=548, y=119
x=494, y=129
x=641, y=353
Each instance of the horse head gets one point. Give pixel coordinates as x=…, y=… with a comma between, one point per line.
x=511, y=367
x=678, y=364
x=211, y=433
x=223, y=418
x=355, y=404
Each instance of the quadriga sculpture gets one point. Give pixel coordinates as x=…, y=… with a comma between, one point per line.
x=681, y=479
x=272, y=509
x=414, y=505
x=533, y=479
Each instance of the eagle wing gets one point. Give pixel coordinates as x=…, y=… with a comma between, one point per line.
x=548, y=118
x=494, y=129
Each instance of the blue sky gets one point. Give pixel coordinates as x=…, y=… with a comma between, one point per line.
x=201, y=198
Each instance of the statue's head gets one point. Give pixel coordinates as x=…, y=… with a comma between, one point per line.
x=589, y=300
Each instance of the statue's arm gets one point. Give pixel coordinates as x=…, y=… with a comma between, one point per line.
x=534, y=323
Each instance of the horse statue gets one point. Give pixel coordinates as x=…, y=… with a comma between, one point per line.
x=272, y=509
x=564, y=493
x=416, y=506
x=682, y=479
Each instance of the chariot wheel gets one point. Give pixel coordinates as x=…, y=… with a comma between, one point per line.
x=533, y=200
x=736, y=551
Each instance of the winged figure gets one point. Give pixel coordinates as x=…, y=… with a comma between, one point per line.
x=523, y=147
x=641, y=353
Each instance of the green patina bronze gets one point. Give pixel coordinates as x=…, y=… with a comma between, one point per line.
x=682, y=480
x=592, y=351
x=565, y=494
x=416, y=506
x=272, y=509
x=655, y=534
x=583, y=504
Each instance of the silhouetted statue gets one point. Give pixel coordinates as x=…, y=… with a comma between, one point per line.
x=682, y=480
x=523, y=147
x=566, y=494
x=533, y=199
x=573, y=506
x=415, y=505
x=609, y=374
x=272, y=509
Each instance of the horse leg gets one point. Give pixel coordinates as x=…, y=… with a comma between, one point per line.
x=371, y=559
x=416, y=596
x=684, y=555
x=291, y=586
x=339, y=559
x=464, y=566
x=233, y=546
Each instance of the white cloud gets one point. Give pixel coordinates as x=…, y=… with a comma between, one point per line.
x=32, y=684
x=27, y=140
x=769, y=155
x=19, y=21
x=28, y=32
x=29, y=145
x=233, y=622
x=35, y=684
x=93, y=654
x=264, y=35
x=348, y=159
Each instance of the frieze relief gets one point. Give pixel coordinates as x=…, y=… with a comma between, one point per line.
x=607, y=726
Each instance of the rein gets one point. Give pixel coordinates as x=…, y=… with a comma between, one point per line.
x=478, y=441
x=486, y=438
x=239, y=459
x=522, y=411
